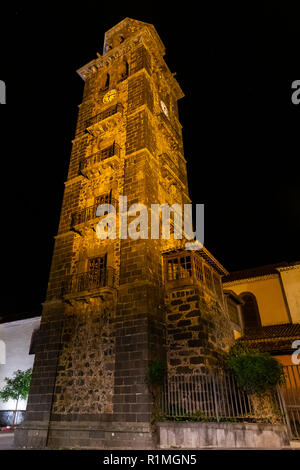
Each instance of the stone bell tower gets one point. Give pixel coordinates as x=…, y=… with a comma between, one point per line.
x=102, y=320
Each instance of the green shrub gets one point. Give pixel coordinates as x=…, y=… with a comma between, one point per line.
x=239, y=347
x=156, y=372
x=256, y=372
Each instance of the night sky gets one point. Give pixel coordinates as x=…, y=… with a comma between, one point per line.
x=241, y=131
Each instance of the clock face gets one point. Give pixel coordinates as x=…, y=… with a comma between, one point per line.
x=109, y=96
x=164, y=108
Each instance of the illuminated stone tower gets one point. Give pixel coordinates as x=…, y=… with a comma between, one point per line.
x=103, y=319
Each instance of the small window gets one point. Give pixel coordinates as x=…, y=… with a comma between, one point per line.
x=208, y=277
x=198, y=269
x=185, y=267
x=218, y=286
x=173, y=271
x=95, y=276
x=179, y=268
x=103, y=199
x=96, y=265
x=107, y=82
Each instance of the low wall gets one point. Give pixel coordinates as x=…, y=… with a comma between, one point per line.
x=221, y=435
x=84, y=435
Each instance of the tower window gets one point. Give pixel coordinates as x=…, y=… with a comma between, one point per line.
x=179, y=268
x=96, y=265
x=107, y=82
x=103, y=199
x=218, y=287
x=95, y=275
x=208, y=278
x=124, y=71
x=173, y=271
x=185, y=267
x=198, y=269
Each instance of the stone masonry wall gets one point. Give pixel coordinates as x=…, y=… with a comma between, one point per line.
x=198, y=332
x=139, y=92
x=94, y=355
x=140, y=58
x=86, y=365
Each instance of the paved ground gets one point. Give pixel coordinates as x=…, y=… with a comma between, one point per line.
x=6, y=440
x=295, y=444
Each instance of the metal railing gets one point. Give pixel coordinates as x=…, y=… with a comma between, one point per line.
x=167, y=161
x=172, y=126
x=290, y=399
x=104, y=114
x=108, y=152
x=88, y=281
x=90, y=213
x=213, y=396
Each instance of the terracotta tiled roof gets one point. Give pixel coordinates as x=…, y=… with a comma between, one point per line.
x=273, y=346
x=253, y=272
x=286, y=330
x=259, y=271
x=273, y=338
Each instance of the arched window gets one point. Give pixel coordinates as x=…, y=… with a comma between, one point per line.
x=124, y=70
x=107, y=82
x=250, y=311
x=125, y=74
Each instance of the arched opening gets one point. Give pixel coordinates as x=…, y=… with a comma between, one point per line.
x=124, y=70
x=250, y=312
x=107, y=82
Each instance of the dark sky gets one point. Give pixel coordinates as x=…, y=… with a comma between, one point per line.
x=235, y=65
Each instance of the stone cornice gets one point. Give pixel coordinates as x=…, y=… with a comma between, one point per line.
x=134, y=26
x=73, y=180
x=143, y=36
x=68, y=233
x=109, y=57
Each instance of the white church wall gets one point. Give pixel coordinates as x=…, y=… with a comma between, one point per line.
x=15, y=340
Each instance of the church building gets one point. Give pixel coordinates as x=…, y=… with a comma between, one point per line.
x=113, y=306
